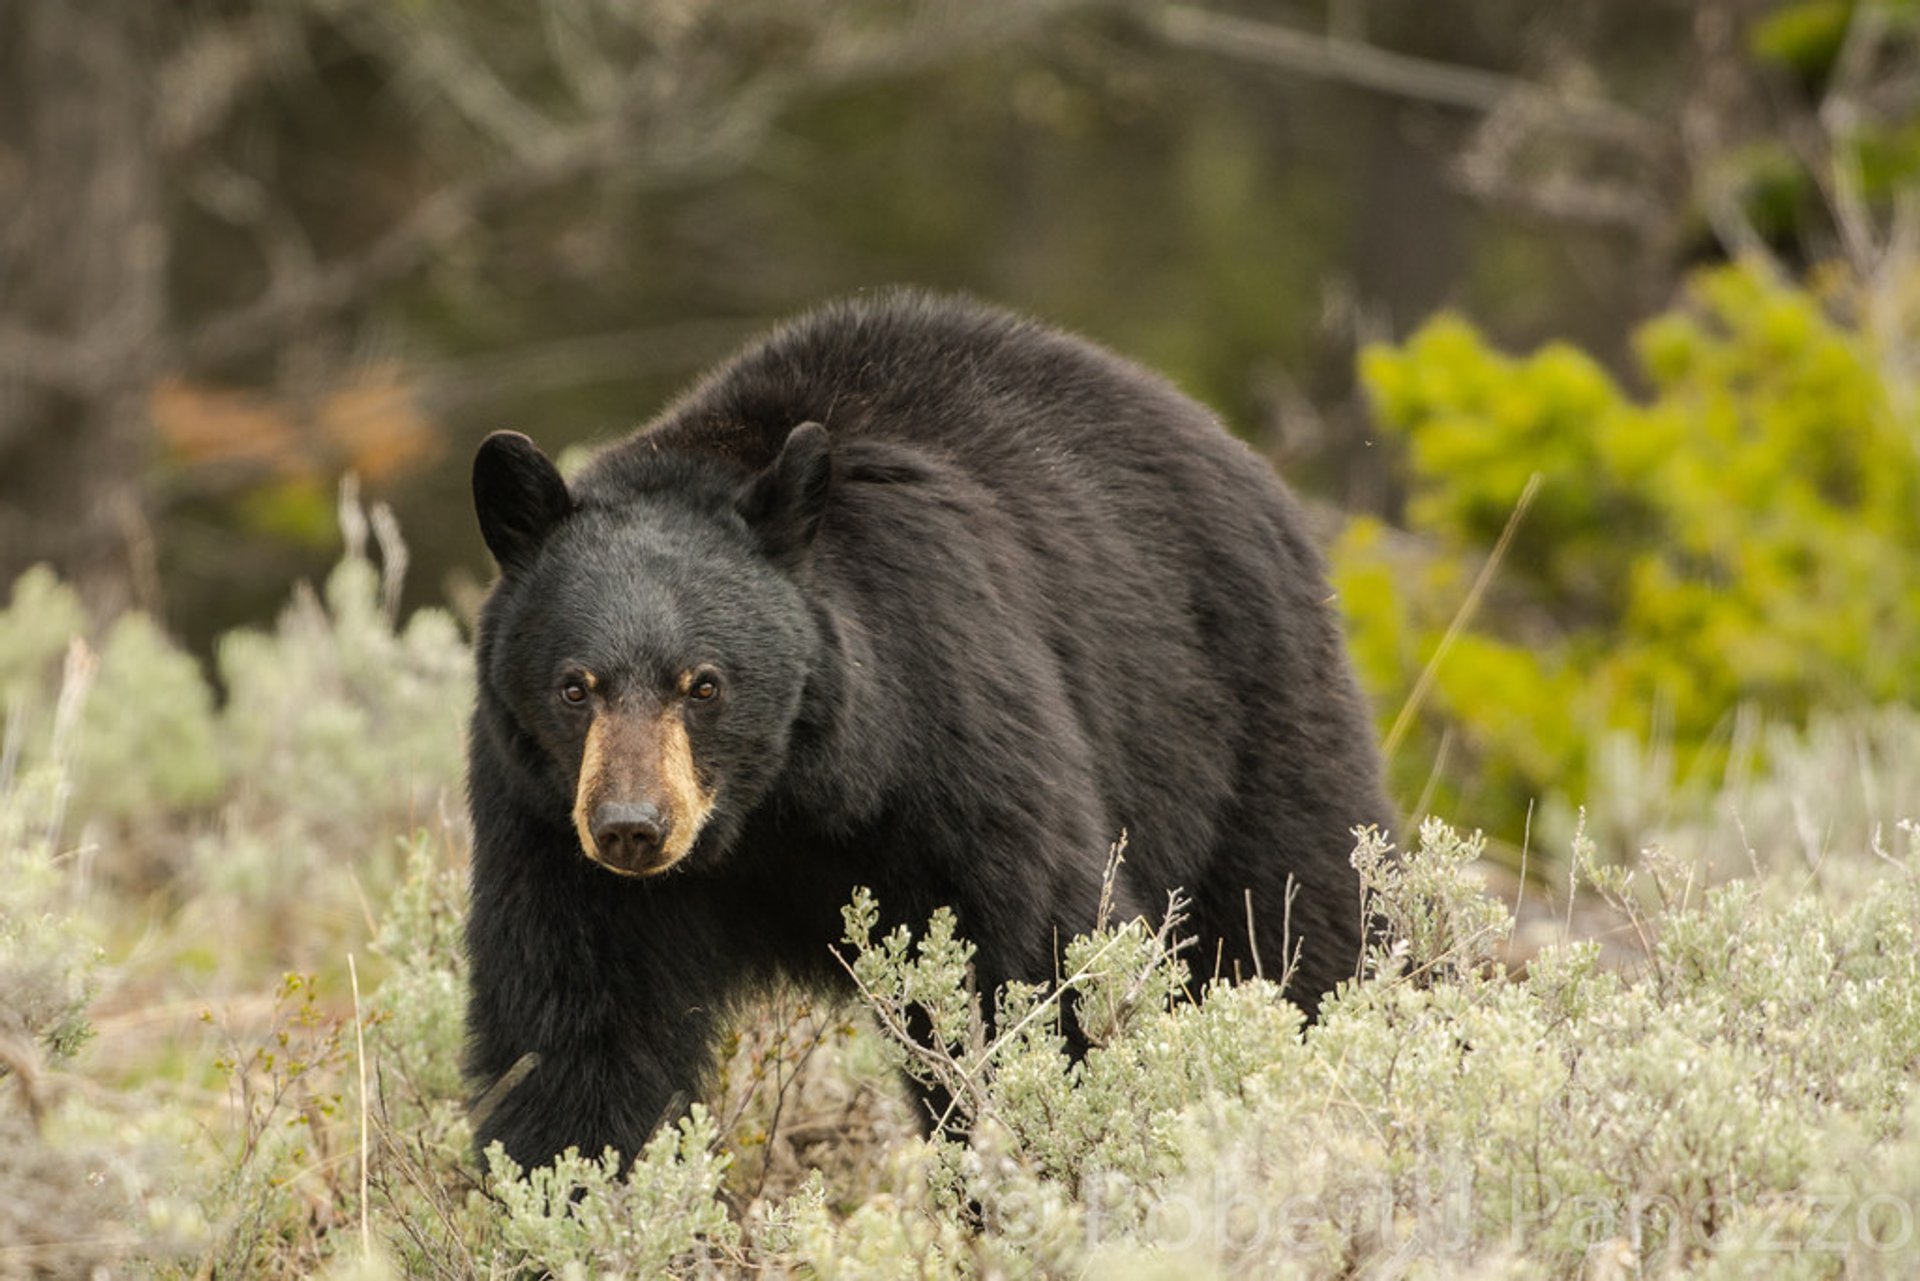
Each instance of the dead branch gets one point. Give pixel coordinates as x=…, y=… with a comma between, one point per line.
x=656, y=132
x=1365, y=66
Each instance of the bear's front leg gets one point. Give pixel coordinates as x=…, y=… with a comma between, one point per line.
x=591, y=1013
x=589, y=1094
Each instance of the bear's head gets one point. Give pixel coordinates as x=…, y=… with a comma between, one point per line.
x=645, y=658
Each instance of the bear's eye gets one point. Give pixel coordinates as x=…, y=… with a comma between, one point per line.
x=704, y=685
x=573, y=690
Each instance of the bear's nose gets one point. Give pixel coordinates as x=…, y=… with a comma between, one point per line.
x=629, y=835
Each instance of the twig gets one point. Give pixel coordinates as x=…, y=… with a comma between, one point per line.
x=496, y=1093
x=1573, y=878
x=1253, y=939
x=393, y=560
x=1116, y=855
x=1520, y=890
x=1290, y=947
x=939, y=1060
x=784, y=1082
x=360, y=1053
x=1436, y=771
x=1400, y=75
x=952, y=1071
x=443, y=217
x=76, y=683
x=1404, y=721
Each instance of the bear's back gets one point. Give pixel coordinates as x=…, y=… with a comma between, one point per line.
x=898, y=373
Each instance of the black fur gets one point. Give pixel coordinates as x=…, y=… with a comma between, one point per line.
x=982, y=596
x=518, y=495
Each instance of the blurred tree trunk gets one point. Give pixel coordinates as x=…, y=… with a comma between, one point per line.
x=83, y=263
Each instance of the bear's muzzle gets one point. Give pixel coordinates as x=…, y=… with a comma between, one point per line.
x=640, y=802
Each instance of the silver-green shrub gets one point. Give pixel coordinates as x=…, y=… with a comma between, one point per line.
x=1721, y=1084
x=580, y=1218
x=85, y=1176
x=141, y=739
x=46, y=961
x=1745, y=1094
x=339, y=713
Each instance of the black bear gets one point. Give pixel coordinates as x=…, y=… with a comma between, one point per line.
x=912, y=594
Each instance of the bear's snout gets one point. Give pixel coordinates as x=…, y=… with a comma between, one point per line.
x=629, y=837
x=641, y=802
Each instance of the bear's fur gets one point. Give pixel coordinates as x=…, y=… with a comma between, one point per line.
x=912, y=594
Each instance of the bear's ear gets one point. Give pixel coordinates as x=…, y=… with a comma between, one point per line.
x=518, y=496
x=783, y=504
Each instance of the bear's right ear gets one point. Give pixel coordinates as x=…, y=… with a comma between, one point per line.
x=518, y=496
x=783, y=505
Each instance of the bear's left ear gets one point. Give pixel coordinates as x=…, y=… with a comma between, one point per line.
x=783, y=504
x=518, y=496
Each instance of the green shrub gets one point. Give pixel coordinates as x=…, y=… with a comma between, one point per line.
x=86, y=1177
x=144, y=740
x=338, y=714
x=272, y=817
x=340, y=723
x=46, y=962
x=1739, y=1099
x=1747, y=535
x=579, y=1217
x=42, y=617
x=148, y=738
x=1725, y=1089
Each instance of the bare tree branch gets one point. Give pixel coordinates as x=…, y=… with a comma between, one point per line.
x=1516, y=113
x=1715, y=121
x=443, y=67
x=74, y=366
x=643, y=135
x=200, y=83
x=444, y=386
x=1494, y=165
x=1400, y=75
x=293, y=301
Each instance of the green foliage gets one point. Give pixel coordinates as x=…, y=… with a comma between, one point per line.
x=1727, y=1103
x=1745, y=1095
x=1745, y=536
x=930, y=978
x=1847, y=164
x=337, y=717
x=148, y=739
x=420, y=1009
x=337, y=711
x=1805, y=36
x=1436, y=920
x=338, y=726
x=41, y=617
x=145, y=740
x=286, y=1102
x=579, y=1218
x=83, y=1179
x=46, y=963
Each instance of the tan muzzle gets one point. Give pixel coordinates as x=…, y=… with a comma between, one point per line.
x=640, y=804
